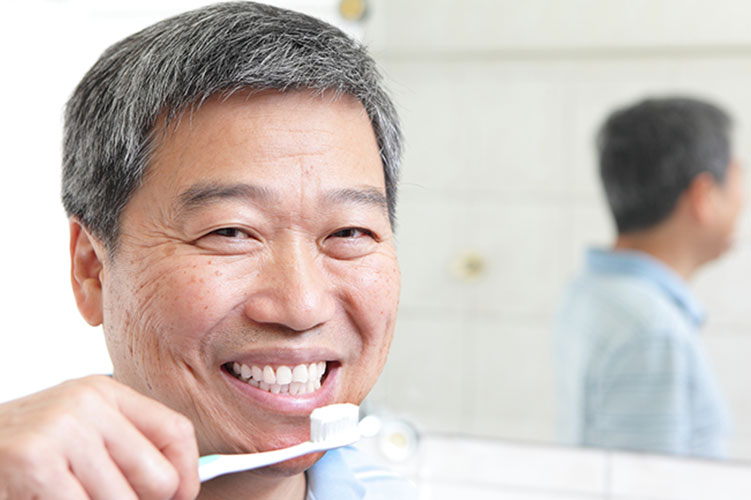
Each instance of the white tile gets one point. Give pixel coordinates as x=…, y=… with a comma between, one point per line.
x=644, y=476
x=740, y=447
x=481, y=127
x=523, y=273
x=424, y=378
x=442, y=490
x=729, y=352
x=513, y=389
x=544, y=25
x=407, y=469
x=723, y=289
x=591, y=226
x=491, y=463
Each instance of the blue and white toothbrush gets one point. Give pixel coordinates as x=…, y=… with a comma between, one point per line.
x=331, y=426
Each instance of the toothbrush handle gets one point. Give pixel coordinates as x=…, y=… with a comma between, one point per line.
x=211, y=466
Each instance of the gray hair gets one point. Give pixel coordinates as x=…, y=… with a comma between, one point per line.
x=650, y=153
x=174, y=66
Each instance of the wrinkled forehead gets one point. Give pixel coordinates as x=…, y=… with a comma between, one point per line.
x=295, y=102
x=265, y=119
x=273, y=140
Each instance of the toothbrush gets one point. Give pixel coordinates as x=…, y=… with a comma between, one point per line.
x=331, y=426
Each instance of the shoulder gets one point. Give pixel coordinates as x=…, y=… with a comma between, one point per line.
x=379, y=481
x=621, y=305
x=358, y=476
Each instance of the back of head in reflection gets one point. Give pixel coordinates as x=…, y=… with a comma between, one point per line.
x=631, y=372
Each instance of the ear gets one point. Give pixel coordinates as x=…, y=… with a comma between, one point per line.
x=86, y=257
x=700, y=197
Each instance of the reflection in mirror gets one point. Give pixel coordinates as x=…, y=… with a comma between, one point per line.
x=501, y=197
x=631, y=373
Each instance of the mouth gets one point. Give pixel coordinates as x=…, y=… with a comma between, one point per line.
x=297, y=380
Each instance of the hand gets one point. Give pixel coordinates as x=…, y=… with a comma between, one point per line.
x=94, y=438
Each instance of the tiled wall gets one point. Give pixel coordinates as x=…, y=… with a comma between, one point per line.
x=450, y=467
x=500, y=101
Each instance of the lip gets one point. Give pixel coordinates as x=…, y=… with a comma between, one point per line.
x=289, y=357
x=286, y=404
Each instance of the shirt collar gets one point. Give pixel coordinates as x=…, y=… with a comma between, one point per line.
x=638, y=263
x=331, y=479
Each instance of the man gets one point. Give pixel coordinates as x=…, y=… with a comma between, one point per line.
x=230, y=178
x=631, y=372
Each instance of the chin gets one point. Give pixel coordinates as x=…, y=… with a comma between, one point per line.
x=287, y=468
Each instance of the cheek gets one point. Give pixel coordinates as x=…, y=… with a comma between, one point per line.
x=166, y=310
x=191, y=301
x=372, y=301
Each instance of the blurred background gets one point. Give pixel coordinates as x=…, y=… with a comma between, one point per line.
x=500, y=193
x=500, y=100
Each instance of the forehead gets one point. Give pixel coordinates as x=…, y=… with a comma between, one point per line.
x=270, y=138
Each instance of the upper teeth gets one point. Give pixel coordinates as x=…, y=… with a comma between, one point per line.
x=293, y=380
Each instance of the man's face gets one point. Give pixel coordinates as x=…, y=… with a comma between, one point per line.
x=259, y=243
x=730, y=196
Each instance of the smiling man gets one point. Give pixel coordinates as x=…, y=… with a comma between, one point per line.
x=230, y=180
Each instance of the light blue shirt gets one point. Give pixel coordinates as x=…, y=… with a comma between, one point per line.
x=630, y=371
x=349, y=474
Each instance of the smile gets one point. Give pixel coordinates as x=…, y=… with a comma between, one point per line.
x=291, y=380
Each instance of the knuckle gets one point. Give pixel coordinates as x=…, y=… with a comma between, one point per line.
x=61, y=427
x=164, y=485
x=98, y=381
x=29, y=459
x=182, y=427
x=177, y=428
x=24, y=454
x=189, y=491
x=84, y=395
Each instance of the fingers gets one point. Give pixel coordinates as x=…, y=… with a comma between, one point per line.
x=99, y=475
x=67, y=487
x=172, y=435
x=183, y=455
x=94, y=438
x=148, y=471
x=25, y=473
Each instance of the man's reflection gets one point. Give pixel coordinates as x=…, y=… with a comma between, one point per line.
x=631, y=371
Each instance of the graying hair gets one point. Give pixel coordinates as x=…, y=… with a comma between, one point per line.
x=174, y=66
x=650, y=153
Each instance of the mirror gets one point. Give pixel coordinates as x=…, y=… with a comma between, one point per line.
x=499, y=197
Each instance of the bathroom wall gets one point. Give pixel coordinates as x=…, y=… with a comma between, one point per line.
x=449, y=467
x=500, y=100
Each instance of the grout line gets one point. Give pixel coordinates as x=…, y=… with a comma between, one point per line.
x=507, y=196
x=509, y=318
x=598, y=53
x=512, y=488
x=731, y=330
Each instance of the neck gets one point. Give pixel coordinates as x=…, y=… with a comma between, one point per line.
x=251, y=485
x=666, y=245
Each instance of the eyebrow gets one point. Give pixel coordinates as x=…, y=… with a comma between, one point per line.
x=201, y=195
x=368, y=196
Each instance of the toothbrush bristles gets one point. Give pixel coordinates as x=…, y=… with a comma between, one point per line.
x=337, y=421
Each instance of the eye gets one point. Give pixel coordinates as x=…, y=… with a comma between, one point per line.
x=231, y=232
x=350, y=243
x=352, y=233
x=229, y=240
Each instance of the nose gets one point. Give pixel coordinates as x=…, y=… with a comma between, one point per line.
x=292, y=290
